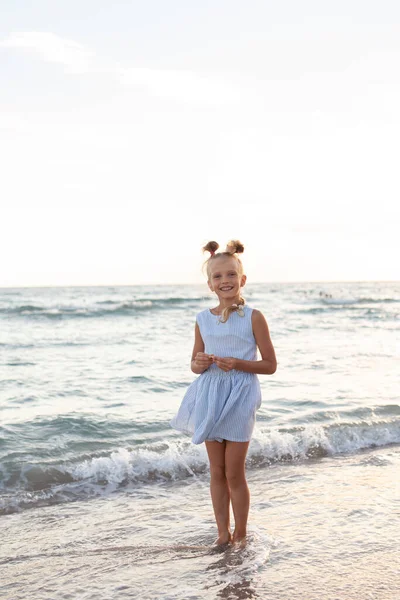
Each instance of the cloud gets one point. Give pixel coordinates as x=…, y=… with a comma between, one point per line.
x=75, y=57
x=184, y=86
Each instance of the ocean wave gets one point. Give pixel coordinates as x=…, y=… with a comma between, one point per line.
x=99, y=309
x=337, y=301
x=352, y=310
x=177, y=460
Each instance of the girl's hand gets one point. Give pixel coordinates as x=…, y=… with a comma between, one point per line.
x=226, y=364
x=203, y=361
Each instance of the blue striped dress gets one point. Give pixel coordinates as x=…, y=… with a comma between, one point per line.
x=221, y=405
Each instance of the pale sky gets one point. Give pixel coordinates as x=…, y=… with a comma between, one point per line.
x=133, y=132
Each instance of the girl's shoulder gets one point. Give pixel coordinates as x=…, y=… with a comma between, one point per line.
x=251, y=310
x=257, y=317
x=255, y=314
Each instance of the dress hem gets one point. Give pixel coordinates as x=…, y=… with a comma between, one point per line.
x=191, y=433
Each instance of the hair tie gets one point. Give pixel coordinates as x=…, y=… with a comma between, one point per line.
x=239, y=308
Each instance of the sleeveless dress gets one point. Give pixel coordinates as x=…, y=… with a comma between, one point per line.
x=221, y=405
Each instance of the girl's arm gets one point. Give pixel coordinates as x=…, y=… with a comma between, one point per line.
x=267, y=365
x=200, y=361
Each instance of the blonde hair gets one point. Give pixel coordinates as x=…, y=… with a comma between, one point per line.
x=233, y=248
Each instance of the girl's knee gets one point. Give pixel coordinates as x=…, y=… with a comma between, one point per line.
x=218, y=473
x=236, y=478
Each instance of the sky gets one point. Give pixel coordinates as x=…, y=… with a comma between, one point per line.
x=131, y=133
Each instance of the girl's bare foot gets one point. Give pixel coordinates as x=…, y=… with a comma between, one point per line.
x=240, y=540
x=224, y=538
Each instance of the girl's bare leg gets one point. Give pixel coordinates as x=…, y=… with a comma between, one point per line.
x=235, y=456
x=219, y=488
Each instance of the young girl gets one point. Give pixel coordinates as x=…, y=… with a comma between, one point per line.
x=219, y=406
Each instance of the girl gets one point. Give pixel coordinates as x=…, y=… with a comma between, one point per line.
x=219, y=406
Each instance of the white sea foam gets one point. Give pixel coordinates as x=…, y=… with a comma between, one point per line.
x=317, y=440
x=179, y=460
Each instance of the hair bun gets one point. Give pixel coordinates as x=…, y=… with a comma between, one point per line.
x=234, y=247
x=211, y=247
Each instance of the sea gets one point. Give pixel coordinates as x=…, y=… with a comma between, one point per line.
x=101, y=499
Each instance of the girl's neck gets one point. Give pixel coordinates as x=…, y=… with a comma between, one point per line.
x=225, y=303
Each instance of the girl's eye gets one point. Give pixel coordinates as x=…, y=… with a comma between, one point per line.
x=216, y=276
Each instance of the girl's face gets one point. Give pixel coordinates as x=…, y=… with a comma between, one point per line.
x=225, y=277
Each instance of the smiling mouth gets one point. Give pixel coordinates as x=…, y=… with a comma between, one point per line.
x=226, y=289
